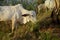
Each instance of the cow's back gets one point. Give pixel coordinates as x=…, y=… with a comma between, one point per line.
x=6, y=12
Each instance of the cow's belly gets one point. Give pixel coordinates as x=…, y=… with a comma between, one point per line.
x=5, y=17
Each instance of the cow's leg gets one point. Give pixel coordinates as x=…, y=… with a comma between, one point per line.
x=13, y=23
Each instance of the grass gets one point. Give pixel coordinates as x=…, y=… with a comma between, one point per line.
x=29, y=31
x=43, y=29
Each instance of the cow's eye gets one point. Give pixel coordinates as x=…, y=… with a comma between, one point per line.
x=25, y=15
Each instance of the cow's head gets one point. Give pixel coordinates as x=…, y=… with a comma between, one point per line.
x=26, y=14
x=30, y=16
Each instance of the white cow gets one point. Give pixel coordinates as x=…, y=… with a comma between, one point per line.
x=16, y=13
x=50, y=4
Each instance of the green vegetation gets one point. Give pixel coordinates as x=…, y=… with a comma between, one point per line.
x=41, y=30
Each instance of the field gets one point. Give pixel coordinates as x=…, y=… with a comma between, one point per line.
x=43, y=29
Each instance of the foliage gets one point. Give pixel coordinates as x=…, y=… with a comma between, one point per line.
x=30, y=6
x=29, y=31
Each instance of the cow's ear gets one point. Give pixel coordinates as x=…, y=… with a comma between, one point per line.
x=19, y=4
